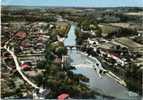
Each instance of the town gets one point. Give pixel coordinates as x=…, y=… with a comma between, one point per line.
x=43, y=51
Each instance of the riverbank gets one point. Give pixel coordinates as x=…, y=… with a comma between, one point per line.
x=107, y=72
x=63, y=28
x=111, y=75
x=104, y=84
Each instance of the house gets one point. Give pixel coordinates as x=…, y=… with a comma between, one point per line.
x=20, y=35
x=25, y=44
x=25, y=66
x=118, y=60
x=63, y=96
x=112, y=55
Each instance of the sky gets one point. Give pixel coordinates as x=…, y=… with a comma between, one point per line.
x=76, y=3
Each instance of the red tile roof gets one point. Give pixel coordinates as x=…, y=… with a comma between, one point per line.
x=21, y=35
x=25, y=66
x=25, y=44
x=63, y=96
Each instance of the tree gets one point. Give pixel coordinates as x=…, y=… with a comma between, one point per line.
x=61, y=51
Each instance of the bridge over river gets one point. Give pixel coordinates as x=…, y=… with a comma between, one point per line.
x=73, y=47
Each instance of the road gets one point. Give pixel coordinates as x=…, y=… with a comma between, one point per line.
x=18, y=68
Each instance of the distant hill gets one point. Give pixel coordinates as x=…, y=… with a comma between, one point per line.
x=48, y=7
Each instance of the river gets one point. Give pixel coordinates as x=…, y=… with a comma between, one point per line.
x=84, y=65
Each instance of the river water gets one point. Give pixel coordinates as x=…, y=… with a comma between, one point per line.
x=84, y=65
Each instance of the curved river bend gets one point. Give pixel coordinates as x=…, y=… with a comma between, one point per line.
x=84, y=65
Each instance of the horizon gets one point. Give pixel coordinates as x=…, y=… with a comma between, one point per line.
x=74, y=3
x=68, y=6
